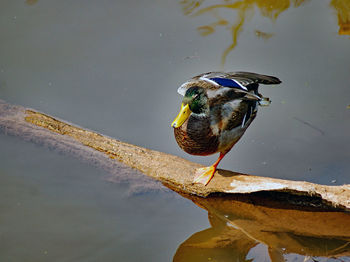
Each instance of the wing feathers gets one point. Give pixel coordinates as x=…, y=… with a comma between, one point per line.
x=218, y=83
x=227, y=82
x=257, y=78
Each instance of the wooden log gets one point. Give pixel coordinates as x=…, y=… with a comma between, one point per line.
x=173, y=171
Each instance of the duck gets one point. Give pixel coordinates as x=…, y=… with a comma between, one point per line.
x=216, y=110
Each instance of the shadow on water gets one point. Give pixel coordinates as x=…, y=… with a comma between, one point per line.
x=245, y=9
x=241, y=224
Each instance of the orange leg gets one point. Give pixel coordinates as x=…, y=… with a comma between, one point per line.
x=205, y=174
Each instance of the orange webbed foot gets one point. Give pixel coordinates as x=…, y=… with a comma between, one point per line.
x=204, y=175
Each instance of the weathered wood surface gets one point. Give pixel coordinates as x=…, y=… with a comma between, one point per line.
x=173, y=171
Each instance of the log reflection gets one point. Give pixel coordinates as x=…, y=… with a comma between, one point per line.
x=240, y=223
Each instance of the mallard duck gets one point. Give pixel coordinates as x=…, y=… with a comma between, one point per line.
x=216, y=110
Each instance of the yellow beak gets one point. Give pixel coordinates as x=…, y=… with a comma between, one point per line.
x=182, y=116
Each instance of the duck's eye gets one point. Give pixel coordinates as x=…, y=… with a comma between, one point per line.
x=195, y=96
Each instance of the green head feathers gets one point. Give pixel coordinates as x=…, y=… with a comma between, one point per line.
x=196, y=99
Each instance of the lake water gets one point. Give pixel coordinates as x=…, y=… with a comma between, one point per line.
x=114, y=67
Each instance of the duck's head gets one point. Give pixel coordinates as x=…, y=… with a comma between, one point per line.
x=195, y=101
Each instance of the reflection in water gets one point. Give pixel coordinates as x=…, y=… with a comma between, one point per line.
x=263, y=35
x=245, y=11
x=238, y=227
x=31, y=2
x=343, y=9
x=268, y=8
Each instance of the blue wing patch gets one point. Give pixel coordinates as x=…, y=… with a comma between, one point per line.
x=228, y=83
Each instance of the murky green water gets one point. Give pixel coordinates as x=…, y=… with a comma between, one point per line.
x=114, y=67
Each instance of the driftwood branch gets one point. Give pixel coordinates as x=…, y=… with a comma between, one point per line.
x=173, y=171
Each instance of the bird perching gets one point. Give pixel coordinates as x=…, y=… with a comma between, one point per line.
x=216, y=110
